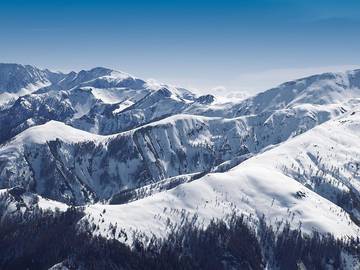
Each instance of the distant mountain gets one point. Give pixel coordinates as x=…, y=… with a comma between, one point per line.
x=91, y=100
x=16, y=78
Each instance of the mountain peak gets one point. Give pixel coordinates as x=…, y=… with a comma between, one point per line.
x=17, y=77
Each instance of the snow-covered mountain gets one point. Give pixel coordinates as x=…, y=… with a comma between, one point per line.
x=99, y=100
x=311, y=180
x=18, y=80
x=147, y=157
x=64, y=163
x=14, y=78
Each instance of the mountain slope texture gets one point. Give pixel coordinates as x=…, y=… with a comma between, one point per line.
x=142, y=167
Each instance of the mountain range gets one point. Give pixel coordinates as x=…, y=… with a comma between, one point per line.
x=148, y=156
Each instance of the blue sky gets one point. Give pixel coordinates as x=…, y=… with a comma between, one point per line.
x=204, y=44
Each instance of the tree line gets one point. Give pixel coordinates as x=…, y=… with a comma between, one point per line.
x=39, y=239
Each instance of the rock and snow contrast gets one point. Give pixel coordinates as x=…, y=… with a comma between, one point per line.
x=148, y=157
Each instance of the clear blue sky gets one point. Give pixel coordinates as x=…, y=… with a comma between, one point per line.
x=239, y=45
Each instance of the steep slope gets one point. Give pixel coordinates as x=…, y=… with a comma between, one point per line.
x=18, y=80
x=30, y=160
x=317, y=90
x=70, y=165
x=304, y=103
x=300, y=181
x=15, y=77
x=325, y=160
x=147, y=106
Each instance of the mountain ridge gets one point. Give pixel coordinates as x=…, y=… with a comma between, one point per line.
x=149, y=155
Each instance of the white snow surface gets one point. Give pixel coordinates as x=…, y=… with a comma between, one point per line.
x=247, y=189
x=51, y=204
x=53, y=130
x=259, y=186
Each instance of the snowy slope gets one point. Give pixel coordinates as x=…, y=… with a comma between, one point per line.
x=15, y=78
x=18, y=80
x=95, y=100
x=269, y=183
x=115, y=102
x=170, y=147
x=251, y=190
x=31, y=160
x=305, y=102
x=53, y=130
x=325, y=159
x=323, y=89
x=130, y=108
x=57, y=155
x=99, y=78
